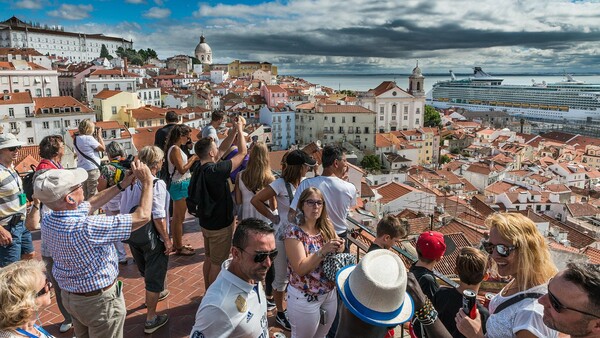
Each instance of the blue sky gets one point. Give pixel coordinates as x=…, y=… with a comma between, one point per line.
x=348, y=36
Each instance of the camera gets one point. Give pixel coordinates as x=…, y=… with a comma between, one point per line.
x=126, y=163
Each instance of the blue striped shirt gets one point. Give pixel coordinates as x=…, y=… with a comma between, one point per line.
x=82, y=247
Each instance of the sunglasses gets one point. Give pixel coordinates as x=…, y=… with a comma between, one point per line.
x=47, y=287
x=558, y=307
x=75, y=188
x=314, y=203
x=14, y=148
x=260, y=257
x=501, y=249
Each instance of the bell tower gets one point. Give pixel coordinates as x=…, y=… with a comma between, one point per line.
x=415, y=82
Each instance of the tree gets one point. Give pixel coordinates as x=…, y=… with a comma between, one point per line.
x=371, y=162
x=445, y=159
x=432, y=117
x=104, y=52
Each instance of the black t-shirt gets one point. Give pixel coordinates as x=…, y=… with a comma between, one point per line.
x=160, y=138
x=374, y=247
x=217, y=196
x=448, y=301
x=426, y=280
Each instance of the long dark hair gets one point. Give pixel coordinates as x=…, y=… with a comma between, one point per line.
x=175, y=133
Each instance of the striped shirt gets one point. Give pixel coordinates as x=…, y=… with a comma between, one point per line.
x=81, y=245
x=11, y=187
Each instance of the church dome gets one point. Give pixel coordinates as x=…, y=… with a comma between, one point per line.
x=417, y=71
x=202, y=48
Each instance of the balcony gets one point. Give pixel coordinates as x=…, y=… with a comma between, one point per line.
x=15, y=130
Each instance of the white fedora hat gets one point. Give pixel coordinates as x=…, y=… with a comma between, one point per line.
x=8, y=140
x=375, y=289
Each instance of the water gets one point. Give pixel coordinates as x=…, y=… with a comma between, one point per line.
x=370, y=81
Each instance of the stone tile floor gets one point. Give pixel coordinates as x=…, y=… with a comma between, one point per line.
x=184, y=280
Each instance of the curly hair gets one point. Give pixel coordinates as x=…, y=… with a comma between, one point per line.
x=257, y=174
x=323, y=223
x=86, y=127
x=50, y=146
x=535, y=265
x=18, y=292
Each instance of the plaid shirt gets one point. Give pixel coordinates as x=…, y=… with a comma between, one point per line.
x=82, y=247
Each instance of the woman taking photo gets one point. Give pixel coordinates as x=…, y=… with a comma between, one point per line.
x=519, y=251
x=296, y=164
x=24, y=291
x=179, y=173
x=253, y=179
x=88, y=143
x=312, y=300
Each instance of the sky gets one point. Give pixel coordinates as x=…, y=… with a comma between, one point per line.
x=348, y=36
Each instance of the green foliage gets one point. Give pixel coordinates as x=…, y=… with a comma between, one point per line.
x=371, y=162
x=445, y=159
x=104, y=52
x=139, y=57
x=347, y=92
x=195, y=60
x=432, y=117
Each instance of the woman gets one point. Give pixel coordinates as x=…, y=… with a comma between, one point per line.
x=312, y=299
x=88, y=143
x=52, y=149
x=111, y=174
x=152, y=258
x=24, y=291
x=296, y=164
x=519, y=251
x=253, y=179
x=179, y=172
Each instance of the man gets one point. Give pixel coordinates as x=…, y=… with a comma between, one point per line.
x=15, y=239
x=160, y=138
x=216, y=219
x=430, y=250
x=374, y=296
x=235, y=304
x=389, y=230
x=339, y=194
x=210, y=130
x=572, y=304
x=82, y=246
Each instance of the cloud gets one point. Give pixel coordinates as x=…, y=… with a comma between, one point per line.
x=28, y=4
x=157, y=13
x=159, y=2
x=72, y=12
x=136, y=2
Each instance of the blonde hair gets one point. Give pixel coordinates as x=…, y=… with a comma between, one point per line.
x=151, y=156
x=257, y=174
x=18, y=292
x=86, y=127
x=535, y=266
x=324, y=225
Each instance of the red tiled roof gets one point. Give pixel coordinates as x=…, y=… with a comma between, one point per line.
x=106, y=93
x=58, y=102
x=16, y=98
x=393, y=190
x=582, y=209
x=335, y=108
x=593, y=254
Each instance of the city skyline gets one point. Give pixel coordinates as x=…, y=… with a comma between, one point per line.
x=353, y=36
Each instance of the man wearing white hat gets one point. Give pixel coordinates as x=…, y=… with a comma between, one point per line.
x=374, y=296
x=82, y=246
x=15, y=239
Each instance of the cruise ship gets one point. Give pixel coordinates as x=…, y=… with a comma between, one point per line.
x=569, y=99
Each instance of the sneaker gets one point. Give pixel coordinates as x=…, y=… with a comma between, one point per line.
x=282, y=320
x=270, y=305
x=64, y=327
x=157, y=323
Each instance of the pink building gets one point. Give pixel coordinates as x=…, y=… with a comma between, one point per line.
x=273, y=94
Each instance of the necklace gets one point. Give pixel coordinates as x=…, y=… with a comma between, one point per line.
x=509, y=287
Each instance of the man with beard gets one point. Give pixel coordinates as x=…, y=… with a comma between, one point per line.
x=235, y=304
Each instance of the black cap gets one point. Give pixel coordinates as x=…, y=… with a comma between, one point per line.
x=297, y=157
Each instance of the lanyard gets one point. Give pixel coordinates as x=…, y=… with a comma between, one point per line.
x=37, y=327
x=13, y=176
x=57, y=165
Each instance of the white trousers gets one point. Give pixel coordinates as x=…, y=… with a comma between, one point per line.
x=304, y=315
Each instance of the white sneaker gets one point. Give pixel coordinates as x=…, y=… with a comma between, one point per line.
x=64, y=327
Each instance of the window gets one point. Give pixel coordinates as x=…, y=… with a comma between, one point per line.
x=333, y=119
x=28, y=124
x=405, y=109
x=418, y=110
x=67, y=123
x=405, y=118
x=366, y=130
x=393, y=117
x=30, y=140
x=114, y=110
x=381, y=118
x=77, y=121
x=141, y=124
x=38, y=92
x=11, y=112
x=341, y=130
x=48, y=92
x=13, y=125
x=343, y=119
x=417, y=121
x=113, y=133
x=46, y=125
x=381, y=109
x=106, y=86
x=15, y=79
x=393, y=109
x=27, y=112
x=26, y=81
x=353, y=119
x=56, y=124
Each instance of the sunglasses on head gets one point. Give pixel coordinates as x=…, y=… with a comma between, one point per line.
x=260, y=257
x=314, y=203
x=559, y=307
x=45, y=289
x=14, y=148
x=501, y=249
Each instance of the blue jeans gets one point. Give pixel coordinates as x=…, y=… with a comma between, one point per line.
x=22, y=244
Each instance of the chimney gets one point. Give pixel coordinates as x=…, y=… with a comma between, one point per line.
x=125, y=63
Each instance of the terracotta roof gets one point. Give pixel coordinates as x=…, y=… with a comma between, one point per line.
x=384, y=87
x=106, y=93
x=349, y=109
x=276, y=89
x=59, y=102
x=391, y=191
x=576, y=237
x=593, y=254
x=560, y=247
x=28, y=151
x=19, y=51
x=113, y=72
x=582, y=209
x=275, y=158
x=16, y=98
x=11, y=66
x=365, y=190
x=148, y=112
x=473, y=235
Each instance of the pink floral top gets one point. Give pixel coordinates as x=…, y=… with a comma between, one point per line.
x=314, y=282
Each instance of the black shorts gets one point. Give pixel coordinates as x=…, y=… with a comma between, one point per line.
x=152, y=263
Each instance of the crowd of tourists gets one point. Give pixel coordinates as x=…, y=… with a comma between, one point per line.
x=270, y=244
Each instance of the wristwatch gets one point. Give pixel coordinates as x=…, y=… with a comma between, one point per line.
x=120, y=187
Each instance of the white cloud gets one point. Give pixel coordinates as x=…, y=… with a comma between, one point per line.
x=159, y=2
x=29, y=4
x=157, y=13
x=72, y=12
x=136, y=2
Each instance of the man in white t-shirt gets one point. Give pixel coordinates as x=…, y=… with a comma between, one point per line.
x=235, y=304
x=210, y=130
x=339, y=195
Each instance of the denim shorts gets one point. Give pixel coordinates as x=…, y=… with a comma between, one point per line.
x=179, y=189
x=22, y=244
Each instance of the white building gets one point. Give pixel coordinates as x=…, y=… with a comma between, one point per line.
x=26, y=54
x=20, y=76
x=111, y=79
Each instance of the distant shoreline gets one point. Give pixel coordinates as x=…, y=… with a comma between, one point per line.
x=434, y=74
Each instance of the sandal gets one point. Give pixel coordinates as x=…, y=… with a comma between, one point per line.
x=185, y=251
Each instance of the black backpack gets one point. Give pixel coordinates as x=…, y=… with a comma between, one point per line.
x=193, y=199
x=28, y=183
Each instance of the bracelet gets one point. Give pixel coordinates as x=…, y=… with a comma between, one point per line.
x=35, y=206
x=120, y=187
x=427, y=314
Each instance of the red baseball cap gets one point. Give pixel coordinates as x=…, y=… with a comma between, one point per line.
x=431, y=245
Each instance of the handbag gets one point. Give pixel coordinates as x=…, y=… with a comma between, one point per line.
x=335, y=262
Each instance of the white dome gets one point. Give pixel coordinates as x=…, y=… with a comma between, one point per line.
x=203, y=49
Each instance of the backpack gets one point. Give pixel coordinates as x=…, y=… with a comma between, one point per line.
x=28, y=183
x=193, y=199
x=147, y=234
x=119, y=172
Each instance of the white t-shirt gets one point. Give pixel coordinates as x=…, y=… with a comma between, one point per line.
x=338, y=194
x=281, y=195
x=171, y=167
x=524, y=315
x=210, y=131
x=160, y=200
x=87, y=144
x=221, y=316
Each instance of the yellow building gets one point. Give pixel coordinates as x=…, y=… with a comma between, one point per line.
x=109, y=105
x=246, y=68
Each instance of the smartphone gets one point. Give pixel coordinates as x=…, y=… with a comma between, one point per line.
x=323, y=316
